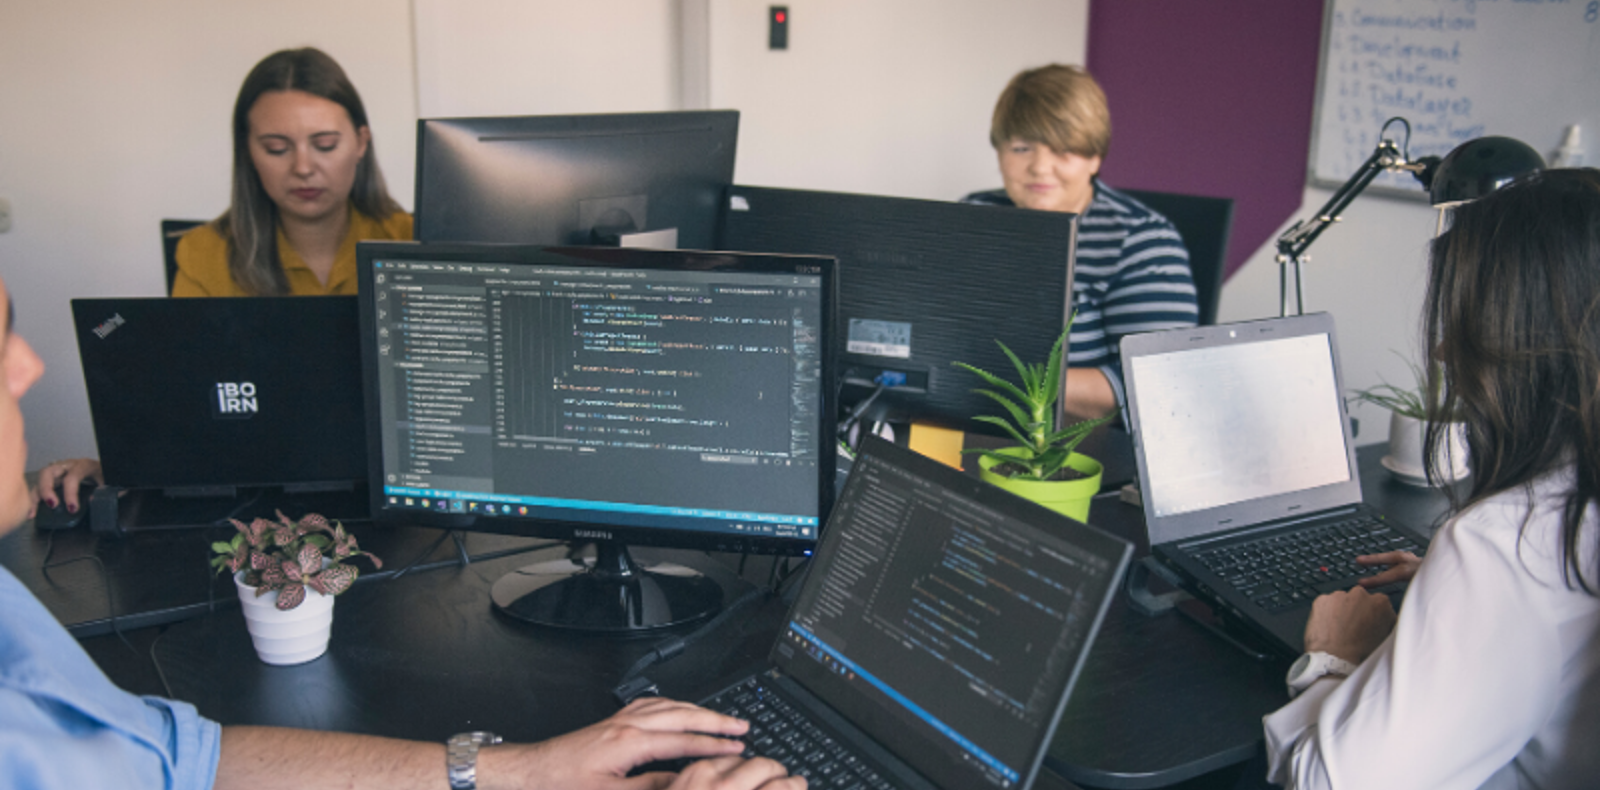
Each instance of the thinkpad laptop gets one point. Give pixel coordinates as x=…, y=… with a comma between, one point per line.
x=937, y=635
x=1246, y=469
x=195, y=394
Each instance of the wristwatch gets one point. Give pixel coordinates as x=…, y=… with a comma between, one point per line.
x=461, y=758
x=1311, y=666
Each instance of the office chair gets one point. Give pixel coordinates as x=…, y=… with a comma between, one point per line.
x=1205, y=224
x=171, y=231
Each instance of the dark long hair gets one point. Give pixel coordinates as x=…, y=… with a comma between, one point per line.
x=250, y=225
x=1513, y=321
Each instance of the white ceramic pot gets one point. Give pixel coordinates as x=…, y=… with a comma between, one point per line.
x=1407, y=437
x=286, y=637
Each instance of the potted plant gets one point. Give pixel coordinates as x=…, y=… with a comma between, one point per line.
x=1044, y=467
x=1408, y=426
x=287, y=573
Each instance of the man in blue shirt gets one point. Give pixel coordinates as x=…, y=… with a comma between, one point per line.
x=63, y=724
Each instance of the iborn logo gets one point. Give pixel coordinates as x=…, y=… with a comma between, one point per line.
x=236, y=400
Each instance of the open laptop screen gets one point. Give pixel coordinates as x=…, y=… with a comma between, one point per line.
x=1238, y=424
x=947, y=618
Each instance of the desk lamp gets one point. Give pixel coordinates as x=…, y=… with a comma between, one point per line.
x=1470, y=171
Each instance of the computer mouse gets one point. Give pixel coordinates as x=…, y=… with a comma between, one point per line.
x=58, y=517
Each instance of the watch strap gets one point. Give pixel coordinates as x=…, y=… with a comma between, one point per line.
x=461, y=757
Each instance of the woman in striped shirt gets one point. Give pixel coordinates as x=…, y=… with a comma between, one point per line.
x=1051, y=129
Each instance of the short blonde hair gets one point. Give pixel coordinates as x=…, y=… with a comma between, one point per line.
x=1059, y=106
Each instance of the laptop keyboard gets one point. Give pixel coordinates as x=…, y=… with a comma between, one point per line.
x=782, y=732
x=1283, y=571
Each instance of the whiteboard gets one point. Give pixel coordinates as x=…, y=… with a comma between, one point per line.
x=1456, y=70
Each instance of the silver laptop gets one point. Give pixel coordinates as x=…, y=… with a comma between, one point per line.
x=1246, y=469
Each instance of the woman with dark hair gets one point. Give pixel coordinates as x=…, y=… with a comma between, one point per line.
x=1491, y=675
x=306, y=188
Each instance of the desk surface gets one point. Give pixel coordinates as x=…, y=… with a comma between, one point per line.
x=423, y=656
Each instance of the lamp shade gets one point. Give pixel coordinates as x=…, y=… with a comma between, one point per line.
x=1477, y=167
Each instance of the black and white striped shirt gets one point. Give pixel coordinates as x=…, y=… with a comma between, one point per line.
x=1132, y=276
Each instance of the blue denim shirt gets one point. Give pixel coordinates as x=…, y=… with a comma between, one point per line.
x=64, y=724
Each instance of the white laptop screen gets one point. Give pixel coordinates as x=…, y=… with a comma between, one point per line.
x=1233, y=423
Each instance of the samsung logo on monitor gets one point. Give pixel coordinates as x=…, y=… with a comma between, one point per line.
x=235, y=400
x=597, y=534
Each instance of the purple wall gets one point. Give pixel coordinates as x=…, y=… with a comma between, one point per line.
x=1211, y=99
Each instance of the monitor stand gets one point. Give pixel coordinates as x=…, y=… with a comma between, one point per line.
x=610, y=594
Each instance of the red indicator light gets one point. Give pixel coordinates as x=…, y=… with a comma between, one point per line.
x=781, y=17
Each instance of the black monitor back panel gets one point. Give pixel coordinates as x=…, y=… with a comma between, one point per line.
x=574, y=179
x=922, y=284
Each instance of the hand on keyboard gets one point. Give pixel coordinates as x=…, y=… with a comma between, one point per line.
x=1349, y=624
x=1402, y=566
x=736, y=772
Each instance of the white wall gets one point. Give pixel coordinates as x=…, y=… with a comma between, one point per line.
x=889, y=97
x=505, y=57
x=1370, y=272
x=116, y=115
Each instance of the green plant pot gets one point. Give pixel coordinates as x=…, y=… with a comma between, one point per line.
x=1067, y=497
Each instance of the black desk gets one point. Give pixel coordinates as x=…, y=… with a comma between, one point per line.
x=423, y=656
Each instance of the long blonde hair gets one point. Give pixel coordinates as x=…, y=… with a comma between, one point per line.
x=250, y=225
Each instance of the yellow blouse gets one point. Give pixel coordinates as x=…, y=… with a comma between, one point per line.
x=203, y=259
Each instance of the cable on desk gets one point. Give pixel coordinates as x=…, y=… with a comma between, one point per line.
x=105, y=581
x=799, y=572
x=634, y=685
x=224, y=521
x=405, y=569
x=772, y=573
x=155, y=662
x=418, y=565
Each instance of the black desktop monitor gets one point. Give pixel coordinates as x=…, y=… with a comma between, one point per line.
x=614, y=396
x=638, y=180
x=922, y=284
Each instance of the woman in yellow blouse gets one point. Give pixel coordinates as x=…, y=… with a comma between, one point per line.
x=306, y=188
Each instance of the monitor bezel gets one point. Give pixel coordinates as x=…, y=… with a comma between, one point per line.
x=606, y=257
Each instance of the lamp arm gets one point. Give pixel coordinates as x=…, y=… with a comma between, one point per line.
x=1293, y=243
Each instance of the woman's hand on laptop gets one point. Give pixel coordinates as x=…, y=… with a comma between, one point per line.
x=1402, y=566
x=1349, y=624
x=60, y=480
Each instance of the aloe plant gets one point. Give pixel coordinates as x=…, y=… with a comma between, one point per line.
x=286, y=556
x=1042, y=446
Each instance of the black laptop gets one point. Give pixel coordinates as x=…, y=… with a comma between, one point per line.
x=936, y=637
x=1247, y=472
x=198, y=394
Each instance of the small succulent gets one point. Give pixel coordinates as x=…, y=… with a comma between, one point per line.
x=287, y=556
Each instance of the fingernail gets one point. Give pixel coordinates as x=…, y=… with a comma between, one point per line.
x=50, y=502
x=70, y=508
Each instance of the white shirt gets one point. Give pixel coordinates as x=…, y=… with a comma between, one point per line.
x=1491, y=678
